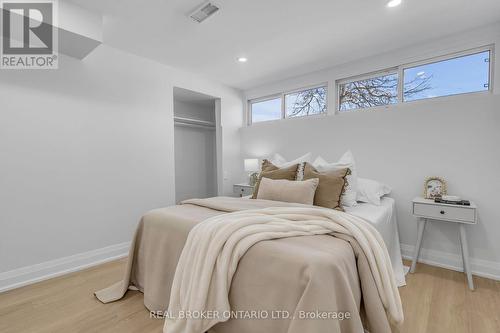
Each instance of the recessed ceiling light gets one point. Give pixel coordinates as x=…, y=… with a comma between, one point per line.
x=393, y=3
x=242, y=59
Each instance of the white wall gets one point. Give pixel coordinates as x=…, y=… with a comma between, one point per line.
x=195, y=110
x=88, y=148
x=456, y=138
x=195, y=153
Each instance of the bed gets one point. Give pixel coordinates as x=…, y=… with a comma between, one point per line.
x=323, y=273
x=384, y=219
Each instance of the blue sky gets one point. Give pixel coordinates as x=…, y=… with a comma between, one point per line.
x=266, y=110
x=453, y=76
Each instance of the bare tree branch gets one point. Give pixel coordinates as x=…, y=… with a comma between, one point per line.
x=382, y=90
x=307, y=102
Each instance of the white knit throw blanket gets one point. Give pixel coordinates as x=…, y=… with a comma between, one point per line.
x=214, y=247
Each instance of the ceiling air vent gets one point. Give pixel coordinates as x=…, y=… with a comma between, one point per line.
x=204, y=11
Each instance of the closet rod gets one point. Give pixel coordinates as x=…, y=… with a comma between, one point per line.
x=182, y=120
x=209, y=128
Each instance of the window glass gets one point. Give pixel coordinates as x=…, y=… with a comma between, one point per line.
x=466, y=74
x=306, y=102
x=375, y=91
x=266, y=110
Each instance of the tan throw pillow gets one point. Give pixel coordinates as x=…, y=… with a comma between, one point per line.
x=268, y=166
x=288, y=190
x=271, y=171
x=331, y=186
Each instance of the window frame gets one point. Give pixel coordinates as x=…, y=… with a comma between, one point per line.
x=324, y=85
x=399, y=70
x=371, y=75
x=452, y=56
x=282, y=95
x=263, y=99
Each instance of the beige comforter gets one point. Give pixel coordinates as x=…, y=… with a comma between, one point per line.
x=307, y=275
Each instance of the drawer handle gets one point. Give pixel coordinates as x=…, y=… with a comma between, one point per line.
x=443, y=212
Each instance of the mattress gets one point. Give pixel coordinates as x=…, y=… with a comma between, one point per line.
x=383, y=218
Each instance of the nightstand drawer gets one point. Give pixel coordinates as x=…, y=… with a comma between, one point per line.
x=242, y=190
x=441, y=212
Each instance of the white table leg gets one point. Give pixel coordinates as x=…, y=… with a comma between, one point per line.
x=461, y=246
x=421, y=227
x=465, y=256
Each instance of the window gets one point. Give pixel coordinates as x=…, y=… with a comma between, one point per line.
x=460, y=75
x=299, y=103
x=374, y=91
x=305, y=102
x=264, y=110
x=468, y=72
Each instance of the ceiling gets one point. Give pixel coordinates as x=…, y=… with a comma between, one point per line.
x=281, y=38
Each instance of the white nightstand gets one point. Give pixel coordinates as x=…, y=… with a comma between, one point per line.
x=425, y=209
x=242, y=189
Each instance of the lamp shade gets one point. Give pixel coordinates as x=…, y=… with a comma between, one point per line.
x=251, y=164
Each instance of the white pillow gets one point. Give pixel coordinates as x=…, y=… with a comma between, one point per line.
x=346, y=161
x=281, y=162
x=288, y=190
x=371, y=191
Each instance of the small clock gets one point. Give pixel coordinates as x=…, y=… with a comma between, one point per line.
x=435, y=187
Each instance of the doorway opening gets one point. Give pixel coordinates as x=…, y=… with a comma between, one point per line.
x=197, y=148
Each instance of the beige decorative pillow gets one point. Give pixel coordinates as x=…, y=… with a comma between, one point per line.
x=288, y=190
x=271, y=171
x=331, y=186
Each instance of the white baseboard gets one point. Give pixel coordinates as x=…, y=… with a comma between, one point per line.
x=31, y=274
x=483, y=268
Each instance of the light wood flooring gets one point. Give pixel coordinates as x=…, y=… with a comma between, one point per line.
x=435, y=300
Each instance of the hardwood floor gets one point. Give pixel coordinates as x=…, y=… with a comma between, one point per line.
x=438, y=300
x=435, y=301
x=67, y=304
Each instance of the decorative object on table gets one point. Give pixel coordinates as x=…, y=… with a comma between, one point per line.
x=451, y=198
x=435, y=187
x=252, y=167
x=452, y=202
x=426, y=210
